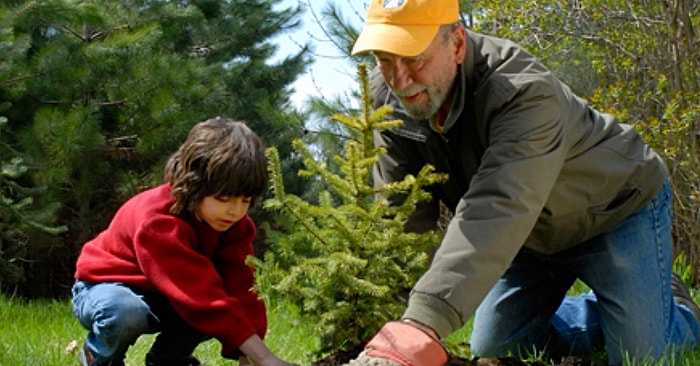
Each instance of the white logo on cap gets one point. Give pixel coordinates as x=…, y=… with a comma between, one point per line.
x=392, y=4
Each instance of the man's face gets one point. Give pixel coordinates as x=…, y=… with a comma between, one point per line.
x=424, y=82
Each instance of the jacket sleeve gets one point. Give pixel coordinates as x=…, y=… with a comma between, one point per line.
x=523, y=159
x=165, y=250
x=239, y=277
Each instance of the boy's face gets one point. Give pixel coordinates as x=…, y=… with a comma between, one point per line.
x=221, y=212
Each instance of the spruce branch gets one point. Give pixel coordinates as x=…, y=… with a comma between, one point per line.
x=282, y=202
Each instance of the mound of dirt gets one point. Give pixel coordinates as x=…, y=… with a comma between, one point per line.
x=343, y=357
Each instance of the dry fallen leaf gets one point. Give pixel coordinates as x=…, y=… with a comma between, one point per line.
x=71, y=347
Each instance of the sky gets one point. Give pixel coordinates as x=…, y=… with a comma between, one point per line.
x=329, y=74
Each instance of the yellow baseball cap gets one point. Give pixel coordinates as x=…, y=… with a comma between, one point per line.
x=404, y=27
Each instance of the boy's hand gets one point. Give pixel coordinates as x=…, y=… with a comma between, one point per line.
x=257, y=353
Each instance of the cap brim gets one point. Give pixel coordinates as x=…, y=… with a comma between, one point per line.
x=405, y=40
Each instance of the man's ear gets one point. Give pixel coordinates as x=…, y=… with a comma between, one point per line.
x=459, y=41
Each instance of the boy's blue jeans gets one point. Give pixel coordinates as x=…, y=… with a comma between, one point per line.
x=630, y=312
x=115, y=316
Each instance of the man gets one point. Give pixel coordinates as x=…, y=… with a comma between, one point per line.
x=545, y=190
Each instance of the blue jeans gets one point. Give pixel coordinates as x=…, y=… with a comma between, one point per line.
x=630, y=311
x=116, y=315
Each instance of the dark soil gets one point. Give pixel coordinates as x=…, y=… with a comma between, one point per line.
x=508, y=361
x=339, y=358
x=343, y=357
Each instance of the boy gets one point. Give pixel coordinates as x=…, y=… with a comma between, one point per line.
x=172, y=261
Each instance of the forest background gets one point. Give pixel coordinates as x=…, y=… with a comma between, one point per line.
x=95, y=95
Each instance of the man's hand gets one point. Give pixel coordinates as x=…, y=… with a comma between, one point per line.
x=407, y=343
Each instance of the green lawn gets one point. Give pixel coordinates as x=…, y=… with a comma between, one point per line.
x=44, y=333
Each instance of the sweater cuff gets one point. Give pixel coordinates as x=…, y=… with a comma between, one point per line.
x=230, y=345
x=433, y=312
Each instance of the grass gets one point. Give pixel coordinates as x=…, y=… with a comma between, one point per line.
x=45, y=333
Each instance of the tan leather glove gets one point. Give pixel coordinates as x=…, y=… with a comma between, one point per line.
x=406, y=345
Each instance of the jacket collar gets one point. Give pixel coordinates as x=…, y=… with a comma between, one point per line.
x=464, y=73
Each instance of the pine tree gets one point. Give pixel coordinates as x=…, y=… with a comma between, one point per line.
x=99, y=93
x=18, y=215
x=347, y=261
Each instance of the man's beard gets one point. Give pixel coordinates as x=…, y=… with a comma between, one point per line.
x=437, y=95
x=423, y=109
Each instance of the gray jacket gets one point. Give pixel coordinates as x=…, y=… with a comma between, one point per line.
x=530, y=165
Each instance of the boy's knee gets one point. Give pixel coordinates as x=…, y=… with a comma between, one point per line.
x=122, y=317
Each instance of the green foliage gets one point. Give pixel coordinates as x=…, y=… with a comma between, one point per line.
x=347, y=261
x=683, y=269
x=18, y=214
x=99, y=93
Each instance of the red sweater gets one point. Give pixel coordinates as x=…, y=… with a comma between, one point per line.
x=201, y=271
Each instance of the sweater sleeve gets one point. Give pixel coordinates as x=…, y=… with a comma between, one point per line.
x=165, y=250
x=238, y=277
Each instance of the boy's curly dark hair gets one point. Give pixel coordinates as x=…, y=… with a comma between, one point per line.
x=221, y=157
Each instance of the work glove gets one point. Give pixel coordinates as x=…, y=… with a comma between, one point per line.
x=402, y=344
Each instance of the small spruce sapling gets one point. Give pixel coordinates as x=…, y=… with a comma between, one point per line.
x=346, y=262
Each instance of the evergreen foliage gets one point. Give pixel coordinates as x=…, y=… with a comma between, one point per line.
x=18, y=215
x=99, y=93
x=346, y=261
